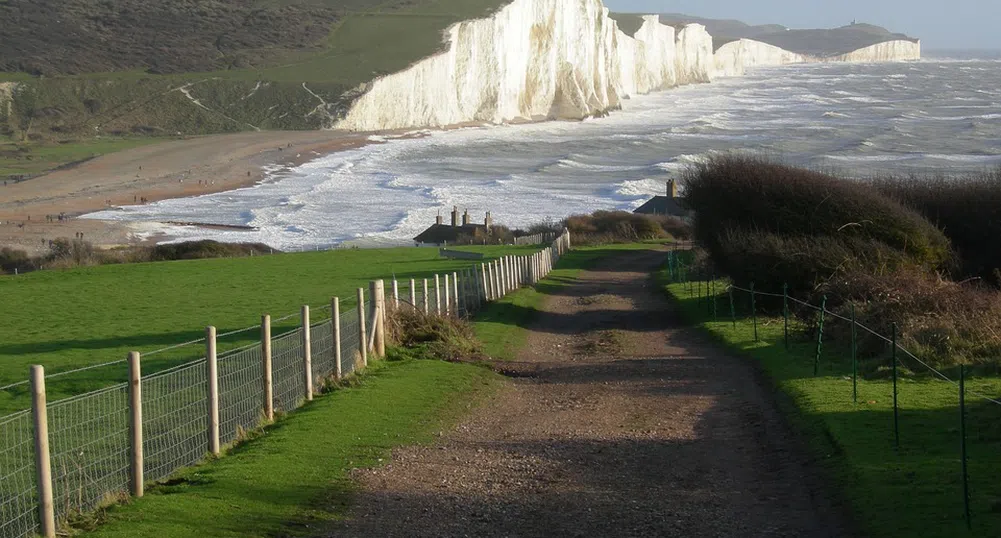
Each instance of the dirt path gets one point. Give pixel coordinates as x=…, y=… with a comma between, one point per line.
x=618, y=422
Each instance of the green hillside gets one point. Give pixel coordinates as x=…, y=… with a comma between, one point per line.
x=76, y=69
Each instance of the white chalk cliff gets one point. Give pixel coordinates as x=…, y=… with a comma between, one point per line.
x=559, y=59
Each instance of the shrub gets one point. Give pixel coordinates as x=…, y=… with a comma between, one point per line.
x=748, y=194
x=943, y=323
x=966, y=209
x=434, y=337
x=773, y=224
x=617, y=227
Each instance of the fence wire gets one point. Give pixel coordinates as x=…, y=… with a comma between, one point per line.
x=88, y=439
x=175, y=419
x=287, y=371
x=241, y=392
x=18, y=502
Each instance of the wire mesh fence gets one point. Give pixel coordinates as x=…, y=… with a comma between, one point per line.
x=18, y=503
x=90, y=437
x=860, y=350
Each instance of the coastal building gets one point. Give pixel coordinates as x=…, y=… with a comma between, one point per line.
x=440, y=233
x=671, y=205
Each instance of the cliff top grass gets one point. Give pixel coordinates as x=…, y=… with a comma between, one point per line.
x=67, y=319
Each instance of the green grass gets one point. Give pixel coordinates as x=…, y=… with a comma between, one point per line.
x=913, y=491
x=34, y=158
x=502, y=326
x=293, y=479
x=66, y=319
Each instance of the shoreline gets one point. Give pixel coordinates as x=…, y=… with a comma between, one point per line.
x=41, y=209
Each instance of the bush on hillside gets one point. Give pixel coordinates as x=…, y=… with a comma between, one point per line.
x=943, y=323
x=967, y=210
x=622, y=227
x=430, y=336
x=812, y=224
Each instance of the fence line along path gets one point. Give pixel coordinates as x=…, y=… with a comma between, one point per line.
x=74, y=455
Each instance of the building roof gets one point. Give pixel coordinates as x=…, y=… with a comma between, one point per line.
x=663, y=205
x=438, y=234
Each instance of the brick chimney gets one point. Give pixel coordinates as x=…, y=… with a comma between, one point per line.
x=488, y=221
x=465, y=218
x=455, y=216
x=437, y=220
x=672, y=189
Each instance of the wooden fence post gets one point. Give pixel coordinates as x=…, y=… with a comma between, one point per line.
x=437, y=294
x=396, y=294
x=413, y=294
x=362, y=336
x=448, y=294
x=455, y=294
x=267, y=381
x=307, y=354
x=212, y=366
x=135, y=425
x=380, y=318
x=335, y=322
x=427, y=297
x=43, y=462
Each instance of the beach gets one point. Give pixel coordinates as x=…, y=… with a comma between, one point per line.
x=38, y=210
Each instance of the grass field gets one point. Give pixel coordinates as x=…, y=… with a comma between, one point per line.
x=294, y=478
x=69, y=319
x=915, y=490
x=32, y=158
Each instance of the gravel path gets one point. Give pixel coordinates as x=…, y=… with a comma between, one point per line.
x=617, y=422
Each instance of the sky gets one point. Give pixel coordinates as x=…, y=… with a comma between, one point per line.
x=940, y=24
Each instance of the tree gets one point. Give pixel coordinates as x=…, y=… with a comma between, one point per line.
x=24, y=107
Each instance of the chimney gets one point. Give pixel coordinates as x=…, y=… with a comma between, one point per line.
x=465, y=218
x=488, y=222
x=437, y=220
x=455, y=216
x=672, y=189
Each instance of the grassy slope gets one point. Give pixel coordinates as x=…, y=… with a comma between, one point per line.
x=915, y=491
x=295, y=477
x=68, y=319
x=32, y=158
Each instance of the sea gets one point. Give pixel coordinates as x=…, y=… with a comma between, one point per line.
x=940, y=115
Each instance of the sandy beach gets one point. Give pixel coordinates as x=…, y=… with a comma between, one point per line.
x=30, y=211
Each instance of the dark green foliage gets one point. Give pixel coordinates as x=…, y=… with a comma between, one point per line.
x=192, y=250
x=966, y=209
x=161, y=36
x=810, y=224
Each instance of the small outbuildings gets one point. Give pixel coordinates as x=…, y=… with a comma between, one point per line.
x=671, y=205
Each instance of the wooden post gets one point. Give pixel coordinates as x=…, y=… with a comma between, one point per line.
x=448, y=298
x=437, y=294
x=212, y=365
x=426, y=298
x=307, y=354
x=362, y=336
x=380, y=318
x=43, y=463
x=485, y=276
x=267, y=382
x=135, y=425
x=413, y=293
x=455, y=289
x=396, y=294
x=335, y=322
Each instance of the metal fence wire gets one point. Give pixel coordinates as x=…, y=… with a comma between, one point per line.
x=89, y=435
x=18, y=504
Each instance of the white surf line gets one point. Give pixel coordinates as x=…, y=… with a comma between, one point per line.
x=187, y=93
